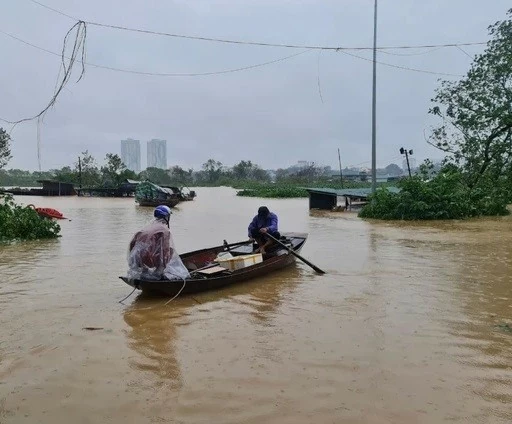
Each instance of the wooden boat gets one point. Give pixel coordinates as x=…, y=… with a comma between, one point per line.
x=171, y=202
x=184, y=193
x=149, y=194
x=199, y=263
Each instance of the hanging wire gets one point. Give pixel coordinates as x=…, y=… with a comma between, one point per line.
x=405, y=68
x=465, y=52
x=77, y=54
x=318, y=78
x=161, y=74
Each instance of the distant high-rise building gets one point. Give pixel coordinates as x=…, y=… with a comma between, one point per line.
x=130, y=154
x=157, y=154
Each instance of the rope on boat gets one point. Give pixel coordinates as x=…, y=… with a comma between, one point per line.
x=121, y=301
x=177, y=294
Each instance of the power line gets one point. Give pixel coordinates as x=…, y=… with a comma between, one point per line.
x=225, y=71
x=129, y=71
x=252, y=43
x=412, y=54
x=405, y=68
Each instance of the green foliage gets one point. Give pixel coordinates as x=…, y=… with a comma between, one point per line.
x=291, y=188
x=213, y=170
x=246, y=170
x=22, y=223
x=181, y=176
x=476, y=113
x=276, y=191
x=112, y=172
x=91, y=176
x=65, y=175
x=157, y=176
x=446, y=196
x=5, y=150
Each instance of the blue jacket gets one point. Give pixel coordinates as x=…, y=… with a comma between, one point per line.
x=269, y=222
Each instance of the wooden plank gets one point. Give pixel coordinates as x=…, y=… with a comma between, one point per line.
x=213, y=270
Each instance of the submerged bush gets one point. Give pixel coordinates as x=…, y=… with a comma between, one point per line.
x=22, y=223
x=446, y=196
x=277, y=191
x=290, y=189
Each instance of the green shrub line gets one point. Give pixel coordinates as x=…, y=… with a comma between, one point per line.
x=446, y=196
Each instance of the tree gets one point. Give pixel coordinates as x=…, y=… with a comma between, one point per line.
x=281, y=174
x=259, y=174
x=310, y=171
x=246, y=170
x=476, y=112
x=111, y=172
x=213, y=170
x=156, y=175
x=393, y=169
x=180, y=176
x=90, y=173
x=66, y=175
x=5, y=150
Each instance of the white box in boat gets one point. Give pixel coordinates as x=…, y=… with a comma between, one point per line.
x=238, y=262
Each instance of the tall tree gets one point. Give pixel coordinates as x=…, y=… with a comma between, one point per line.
x=246, y=170
x=213, y=169
x=156, y=175
x=111, y=172
x=180, y=176
x=476, y=112
x=5, y=148
x=393, y=169
x=90, y=172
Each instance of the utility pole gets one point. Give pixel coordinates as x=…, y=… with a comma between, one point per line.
x=374, y=103
x=341, y=174
x=407, y=153
x=80, y=172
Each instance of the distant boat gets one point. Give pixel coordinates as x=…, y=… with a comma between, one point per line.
x=149, y=194
x=183, y=195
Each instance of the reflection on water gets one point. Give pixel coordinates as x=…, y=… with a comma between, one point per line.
x=408, y=326
x=152, y=335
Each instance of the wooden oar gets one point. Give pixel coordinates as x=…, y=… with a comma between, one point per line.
x=240, y=243
x=296, y=254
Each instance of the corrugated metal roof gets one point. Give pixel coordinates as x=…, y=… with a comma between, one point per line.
x=349, y=192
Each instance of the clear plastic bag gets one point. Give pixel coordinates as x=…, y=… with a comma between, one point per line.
x=153, y=255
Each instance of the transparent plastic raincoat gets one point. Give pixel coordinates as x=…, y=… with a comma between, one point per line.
x=153, y=256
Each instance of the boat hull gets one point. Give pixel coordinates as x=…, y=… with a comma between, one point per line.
x=280, y=260
x=154, y=203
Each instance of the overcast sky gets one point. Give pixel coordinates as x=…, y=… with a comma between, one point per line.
x=272, y=115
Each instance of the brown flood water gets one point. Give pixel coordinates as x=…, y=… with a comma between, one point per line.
x=408, y=326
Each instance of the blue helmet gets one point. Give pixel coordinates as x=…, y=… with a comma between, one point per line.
x=162, y=211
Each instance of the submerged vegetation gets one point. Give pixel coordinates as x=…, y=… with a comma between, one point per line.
x=22, y=223
x=291, y=188
x=274, y=191
x=446, y=196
